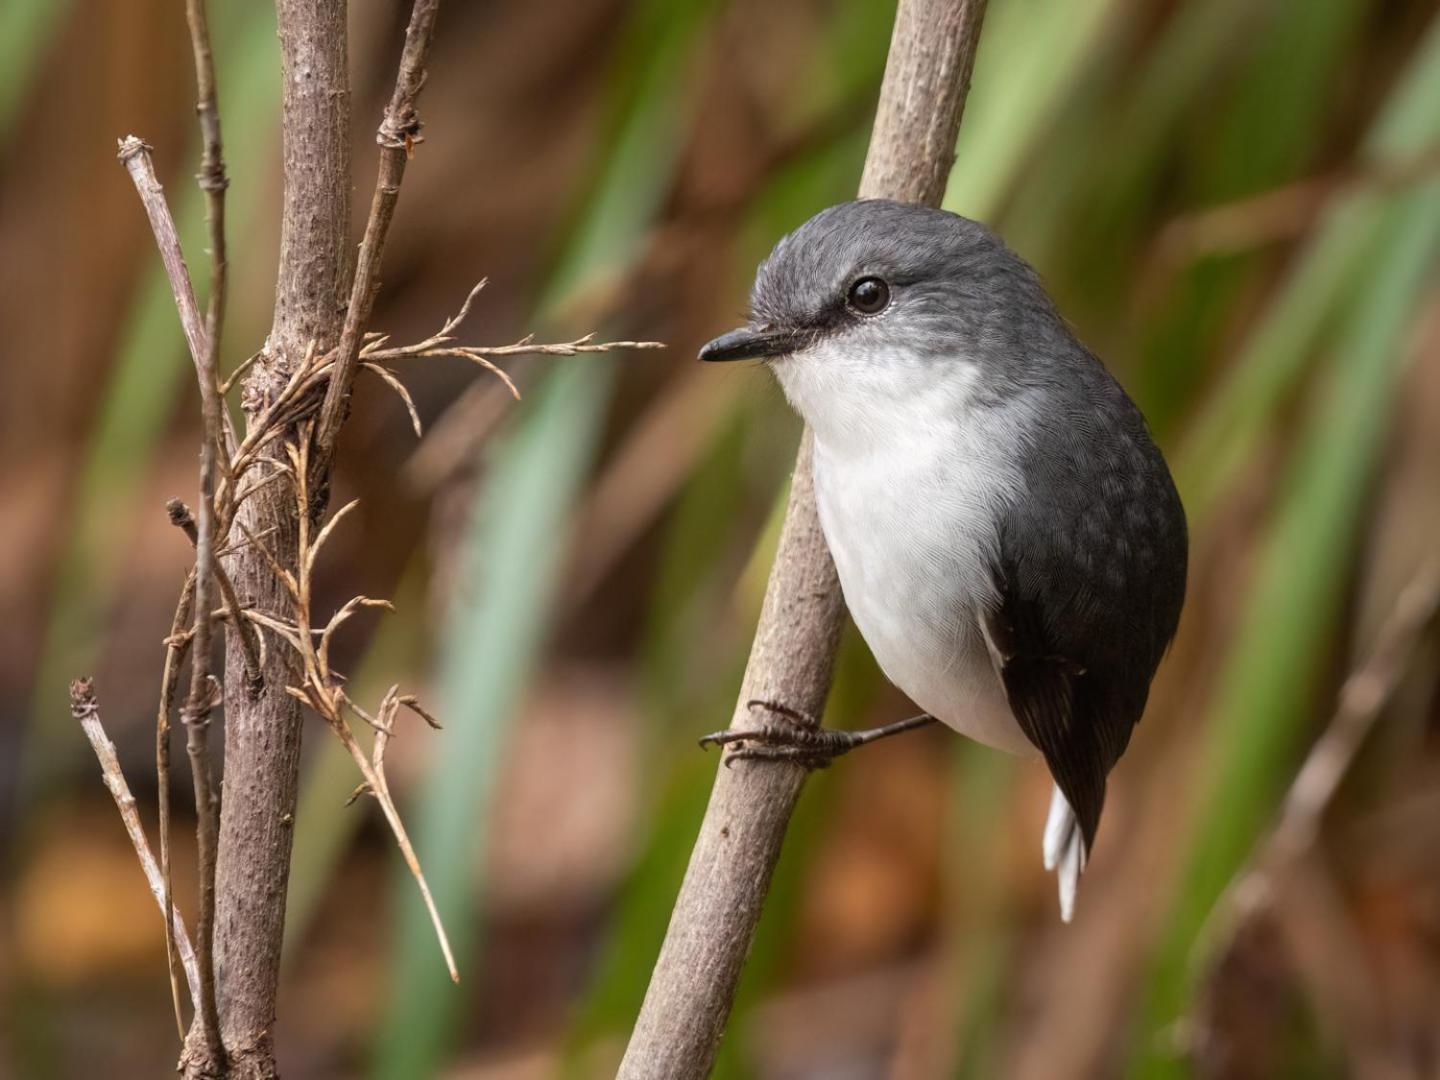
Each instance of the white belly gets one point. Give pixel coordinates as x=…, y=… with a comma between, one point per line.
x=909, y=530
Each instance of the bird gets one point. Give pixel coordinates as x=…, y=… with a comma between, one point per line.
x=1007, y=535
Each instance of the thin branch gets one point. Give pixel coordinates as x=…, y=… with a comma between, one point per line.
x=322, y=686
x=398, y=134
x=250, y=644
x=213, y=183
x=1363, y=697
x=85, y=709
x=175, y=646
x=692, y=988
x=196, y=713
x=196, y=717
x=1287, y=873
x=134, y=154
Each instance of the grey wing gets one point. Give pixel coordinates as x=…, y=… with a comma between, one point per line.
x=1089, y=572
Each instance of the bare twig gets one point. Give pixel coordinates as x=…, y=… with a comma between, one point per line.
x=398, y=134
x=1362, y=699
x=1288, y=872
x=322, y=690
x=134, y=154
x=377, y=349
x=85, y=709
x=213, y=183
x=693, y=986
x=197, y=710
x=175, y=646
x=250, y=644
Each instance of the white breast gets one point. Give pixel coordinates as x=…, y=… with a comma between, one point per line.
x=908, y=479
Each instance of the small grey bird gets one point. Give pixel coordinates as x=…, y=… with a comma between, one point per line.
x=1007, y=535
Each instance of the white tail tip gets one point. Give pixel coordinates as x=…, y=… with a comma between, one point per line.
x=1064, y=851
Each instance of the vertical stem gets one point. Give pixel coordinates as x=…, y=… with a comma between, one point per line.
x=692, y=988
x=263, y=730
x=197, y=711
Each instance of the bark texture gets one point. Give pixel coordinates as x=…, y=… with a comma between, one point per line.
x=262, y=731
x=912, y=149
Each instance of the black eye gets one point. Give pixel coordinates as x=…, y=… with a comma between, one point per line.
x=869, y=296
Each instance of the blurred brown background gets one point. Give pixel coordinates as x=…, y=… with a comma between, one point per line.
x=1238, y=205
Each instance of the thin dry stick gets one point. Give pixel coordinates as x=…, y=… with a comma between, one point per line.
x=1287, y=872
x=251, y=647
x=196, y=717
x=175, y=646
x=134, y=154
x=399, y=132
x=197, y=711
x=1362, y=699
x=85, y=709
x=213, y=183
x=692, y=987
x=322, y=690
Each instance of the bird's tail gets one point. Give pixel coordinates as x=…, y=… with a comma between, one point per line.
x=1064, y=851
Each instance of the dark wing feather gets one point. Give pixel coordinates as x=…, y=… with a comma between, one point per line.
x=1050, y=696
x=1090, y=575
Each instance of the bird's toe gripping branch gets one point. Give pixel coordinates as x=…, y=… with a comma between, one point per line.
x=790, y=735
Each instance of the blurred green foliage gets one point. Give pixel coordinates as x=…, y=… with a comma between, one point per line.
x=1091, y=127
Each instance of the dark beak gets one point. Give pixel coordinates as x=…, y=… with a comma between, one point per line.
x=749, y=343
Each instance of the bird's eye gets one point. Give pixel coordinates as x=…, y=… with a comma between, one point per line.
x=869, y=296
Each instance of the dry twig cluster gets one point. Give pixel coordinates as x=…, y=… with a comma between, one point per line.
x=293, y=412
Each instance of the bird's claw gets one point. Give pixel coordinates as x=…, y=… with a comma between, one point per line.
x=786, y=735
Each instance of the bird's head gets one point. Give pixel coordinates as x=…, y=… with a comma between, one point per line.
x=872, y=306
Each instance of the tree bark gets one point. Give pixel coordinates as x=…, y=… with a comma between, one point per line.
x=263, y=730
x=912, y=149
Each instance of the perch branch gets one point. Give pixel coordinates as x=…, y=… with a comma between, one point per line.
x=397, y=136
x=692, y=988
x=85, y=709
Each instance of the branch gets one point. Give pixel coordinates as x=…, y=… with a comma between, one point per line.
x=263, y=731
x=134, y=154
x=196, y=713
x=85, y=709
x=250, y=646
x=692, y=988
x=175, y=648
x=1288, y=873
x=398, y=134
x=1363, y=697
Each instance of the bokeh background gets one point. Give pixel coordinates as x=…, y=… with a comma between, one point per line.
x=1236, y=202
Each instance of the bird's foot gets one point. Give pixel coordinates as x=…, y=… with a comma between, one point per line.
x=790, y=735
